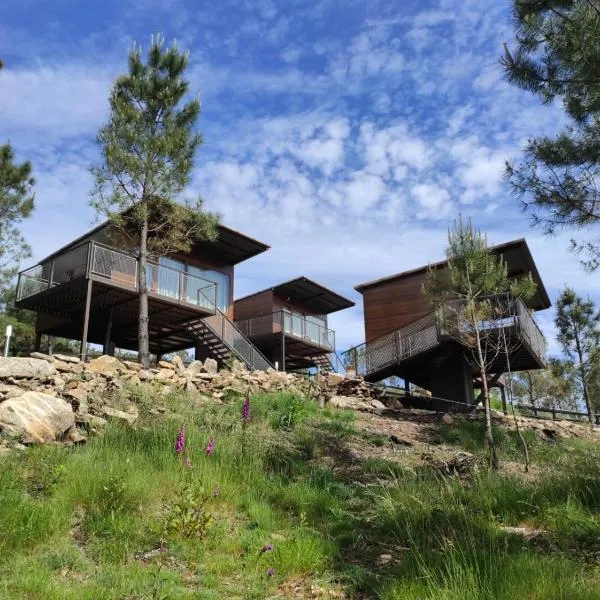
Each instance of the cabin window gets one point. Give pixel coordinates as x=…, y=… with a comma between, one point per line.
x=222, y=281
x=168, y=282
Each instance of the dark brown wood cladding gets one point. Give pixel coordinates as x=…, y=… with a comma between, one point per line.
x=393, y=305
x=256, y=305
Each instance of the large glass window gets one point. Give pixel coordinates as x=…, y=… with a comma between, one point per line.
x=221, y=279
x=168, y=282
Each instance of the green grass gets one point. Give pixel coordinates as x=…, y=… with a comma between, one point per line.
x=82, y=522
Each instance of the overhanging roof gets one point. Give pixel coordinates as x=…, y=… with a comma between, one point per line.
x=517, y=256
x=231, y=246
x=311, y=294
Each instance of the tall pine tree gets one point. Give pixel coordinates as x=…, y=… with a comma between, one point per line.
x=148, y=148
x=557, y=56
x=578, y=325
x=467, y=298
x=16, y=204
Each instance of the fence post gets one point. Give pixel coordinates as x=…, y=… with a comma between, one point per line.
x=553, y=414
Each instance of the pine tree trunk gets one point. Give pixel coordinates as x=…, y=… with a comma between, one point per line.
x=489, y=436
x=586, y=396
x=143, y=339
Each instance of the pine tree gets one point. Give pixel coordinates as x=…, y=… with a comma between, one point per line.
x=16, y=204
x=148, y=148
x=467, y=295
x=578, y=325
x=558, y=56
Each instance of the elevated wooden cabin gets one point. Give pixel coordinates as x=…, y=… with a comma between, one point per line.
x=288, y=322
x=87, y=291
x=404, y=337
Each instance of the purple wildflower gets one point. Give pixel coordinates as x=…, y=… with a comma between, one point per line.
x=188, y=462
x=180, y=444
x=246, y=409
x=217, y=491
x=270, y=572
x=211, y=446
x=267, y=548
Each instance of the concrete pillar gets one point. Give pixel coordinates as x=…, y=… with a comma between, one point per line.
x=452, y=378
x=86, y=320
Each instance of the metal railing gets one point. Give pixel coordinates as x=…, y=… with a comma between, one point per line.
x=120, y=267
x=235, y=339
x=425, y=333
x=291, y=323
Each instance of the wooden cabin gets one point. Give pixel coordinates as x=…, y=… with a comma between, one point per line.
x=87, y=291
x=404, y=337
x=288, y=322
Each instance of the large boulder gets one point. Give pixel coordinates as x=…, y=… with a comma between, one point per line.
x=36, y=417
x=26, y=368
x=106, y=365
x=211, y=365
x=113, y=414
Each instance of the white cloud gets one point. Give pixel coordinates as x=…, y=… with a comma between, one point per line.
x=434, y=202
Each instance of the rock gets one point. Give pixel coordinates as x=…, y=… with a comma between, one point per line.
x=94, y=422
x=9, y=391
x=211, y=365
x=334, y=379
x=384, y=559
x=119, y=415
x=237, y=367
x=74, y=360
x=75, y=436
x=63, y=367
x=195, y=368
x=163, y=364
x=132, y=366
x=204, y=376
x=377, y=404
x=447, y=419
x=396, y=440
x=26, y=368
x=145, y=375
x=178, y=363
x=36, y=417
x=42, y=356
x=106, y=365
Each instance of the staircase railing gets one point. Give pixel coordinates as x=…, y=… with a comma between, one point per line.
x=236, y=341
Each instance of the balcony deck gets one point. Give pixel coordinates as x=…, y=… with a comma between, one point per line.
x=57, y=291
x=409, y=352
x=304, y=338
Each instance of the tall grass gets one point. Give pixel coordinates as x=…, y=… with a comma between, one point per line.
x=89, y=522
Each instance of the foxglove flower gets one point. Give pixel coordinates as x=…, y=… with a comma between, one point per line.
x=211, y=446
x=246, y=409
x=180, y=444
x=267, y=548
x=270, y=572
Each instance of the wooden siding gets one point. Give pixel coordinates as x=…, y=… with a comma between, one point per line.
x=392, y=305
x=256, y=305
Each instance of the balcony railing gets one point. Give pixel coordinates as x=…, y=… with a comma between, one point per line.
x=119, y=267
x=290, y=323
x=509, y=314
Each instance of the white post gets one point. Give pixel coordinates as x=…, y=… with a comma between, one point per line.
x=277, y=365
x=7, y=340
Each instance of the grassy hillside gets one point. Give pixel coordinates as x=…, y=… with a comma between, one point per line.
x=283, y=508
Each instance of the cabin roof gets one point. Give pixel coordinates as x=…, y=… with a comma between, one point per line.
x=517, y=255
x=313, y=295
x=231, y=245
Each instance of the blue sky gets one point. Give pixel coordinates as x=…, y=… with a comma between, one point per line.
x=345, y=134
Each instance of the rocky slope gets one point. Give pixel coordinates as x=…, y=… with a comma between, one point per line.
x=58, y=398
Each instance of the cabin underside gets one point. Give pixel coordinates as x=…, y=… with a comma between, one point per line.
x=448, y=370
x=113, y=315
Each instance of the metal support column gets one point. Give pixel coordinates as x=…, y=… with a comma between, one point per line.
x=37, y=346
x=86, y=320
x=108, y=332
